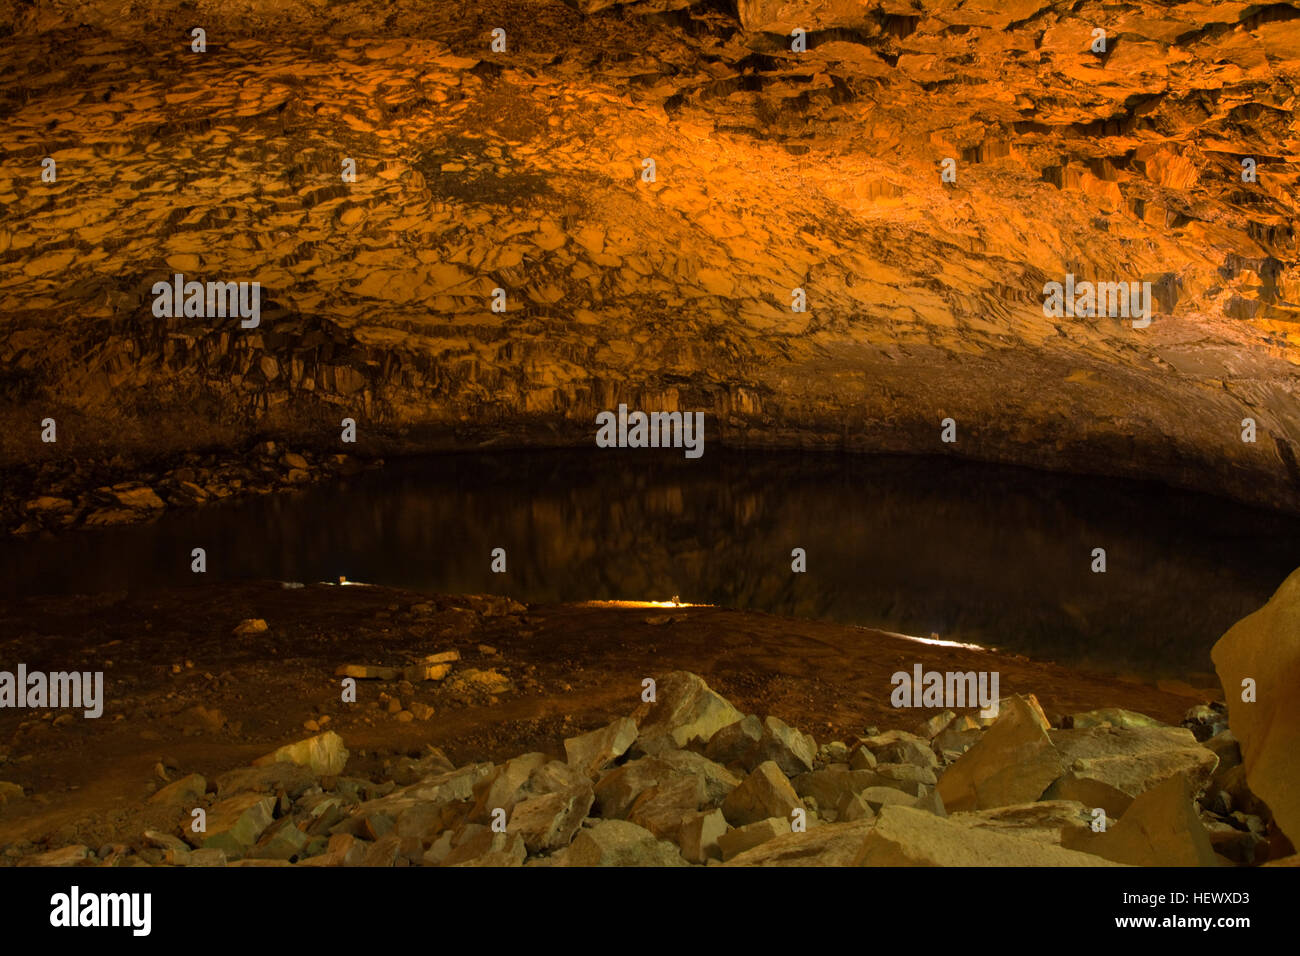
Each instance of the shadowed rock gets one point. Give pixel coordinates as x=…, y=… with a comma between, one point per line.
x=1265, y=648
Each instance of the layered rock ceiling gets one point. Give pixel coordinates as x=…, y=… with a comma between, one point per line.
x=774, y=170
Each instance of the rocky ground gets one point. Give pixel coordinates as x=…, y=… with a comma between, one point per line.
x=489, y=733
x=99, y=493
x=521, y=170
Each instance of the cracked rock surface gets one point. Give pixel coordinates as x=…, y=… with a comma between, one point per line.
x=774, y=170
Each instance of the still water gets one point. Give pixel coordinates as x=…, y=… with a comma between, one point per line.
x=978, y=553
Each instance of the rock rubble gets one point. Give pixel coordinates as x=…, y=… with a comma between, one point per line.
x=688, y=779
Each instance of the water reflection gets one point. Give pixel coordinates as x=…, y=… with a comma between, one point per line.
x=971, y=552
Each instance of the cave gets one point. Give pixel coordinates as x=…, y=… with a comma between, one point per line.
x=662, y=433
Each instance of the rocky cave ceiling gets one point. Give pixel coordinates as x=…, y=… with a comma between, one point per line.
x=774, y=170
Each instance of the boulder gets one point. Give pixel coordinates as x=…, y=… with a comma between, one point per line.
x=235, y=824
x=343, y=849
x=750, y=742
x=827, y=788
x=556, y=775
x=418, y=672
x=619, y=843
x=1161, y=828
x=1133, y=760
x=456, y=784
x=504, y=786
x=891, y=739
x=686, y=710
x=737, y=841
x=324, y=754
x=764, y=793
x=665, y=807
x=1013, y=762
x=737, y=743
x=862, y=759
x=186, y=790
x=1090, y=792
x=912, y=752
x=481, y=846
x=903, y=836
x=550, y=821
x=794, y=752
x=904, y=776
x=718, y=780
x=1265, y=647
x=699, y=834
x=593, y=752
x=832, y=844
x=617, y=789
x=931, y=728
x=853, y=807
x=285, y=839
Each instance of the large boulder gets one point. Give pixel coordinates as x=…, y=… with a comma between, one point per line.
x=1161, y=828
x=764, y=793
x=593, y=752
x=903, y=836
x=750, y=742
x=1089, y=792
x=1265, y=647
x=324, y=754
x=549, y=821
x=1135, y=759
x=619, y=788
x=1013, y=762
x=619, y=843
x=235, y=824
x=665, y=807
x=686, y=710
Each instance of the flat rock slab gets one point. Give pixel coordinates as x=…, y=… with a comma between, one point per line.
x=831, y=844
x=903, y=836
x=1135, y=759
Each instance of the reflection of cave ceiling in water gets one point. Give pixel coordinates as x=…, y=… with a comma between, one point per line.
x=974, y=552
x=775, y=170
